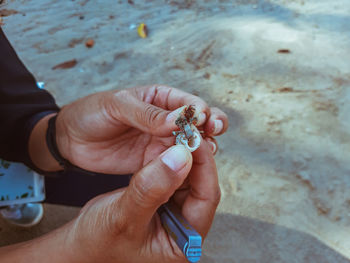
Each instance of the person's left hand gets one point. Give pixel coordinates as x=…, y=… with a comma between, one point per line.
x=118, y=132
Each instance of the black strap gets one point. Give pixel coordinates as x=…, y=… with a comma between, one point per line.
x=51, y=142
x=53, y=148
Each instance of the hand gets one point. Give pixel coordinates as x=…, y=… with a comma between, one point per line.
x=123, y=226
x=118, y=132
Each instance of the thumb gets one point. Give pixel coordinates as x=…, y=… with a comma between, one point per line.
x=142, y=115
x=154, y=185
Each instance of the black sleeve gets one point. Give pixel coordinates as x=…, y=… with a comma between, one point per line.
x=22, y=105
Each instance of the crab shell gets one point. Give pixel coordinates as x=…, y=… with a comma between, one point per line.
x=181, y=139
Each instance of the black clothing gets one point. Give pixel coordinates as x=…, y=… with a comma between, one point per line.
x=22, y=105
x=76, y=189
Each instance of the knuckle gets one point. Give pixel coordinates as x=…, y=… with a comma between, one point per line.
x=141, y=192
x=110, y=109
x=150, y=115
x=120, y=224
x=117, y=218
x=147, y=193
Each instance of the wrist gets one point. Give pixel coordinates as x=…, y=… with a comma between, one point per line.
x=38, y=149
x=58, y=246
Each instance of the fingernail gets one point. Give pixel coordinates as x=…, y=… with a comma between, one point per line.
x=172, y=116
x=213, y=146
x=201, y=118
x=218, y=126
x=175, y=157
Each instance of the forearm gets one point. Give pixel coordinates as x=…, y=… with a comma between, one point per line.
x=37, y=147
x=55, y=247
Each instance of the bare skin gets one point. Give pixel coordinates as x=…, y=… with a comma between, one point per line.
x=133, y=127
x=128, y=132
x=123, y=226
x=118, y=132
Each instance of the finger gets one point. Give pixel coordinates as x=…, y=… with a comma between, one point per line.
x=183, y=191
x=124, y=107
x=171, y=99
x=146, y=108
x=204, y=196
x=154, y=185
x=178, y=98
x=212, y=144
x=217, y=123
x=180, y=196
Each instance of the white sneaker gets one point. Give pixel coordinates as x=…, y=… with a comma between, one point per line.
x=24, y=215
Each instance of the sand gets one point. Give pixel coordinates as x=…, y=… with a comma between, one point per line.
x=279, y=69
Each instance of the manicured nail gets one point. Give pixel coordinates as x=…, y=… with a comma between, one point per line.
x=175, y=157
x=218, y=126
x=172, y=116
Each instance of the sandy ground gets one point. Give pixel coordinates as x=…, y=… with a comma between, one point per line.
x=284, y=164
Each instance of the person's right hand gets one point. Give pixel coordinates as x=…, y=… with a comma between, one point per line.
x=123, y=226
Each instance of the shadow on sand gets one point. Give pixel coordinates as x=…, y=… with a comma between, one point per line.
x=254, y=241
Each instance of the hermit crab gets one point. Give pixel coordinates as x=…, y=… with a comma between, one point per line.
x=188, y=135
